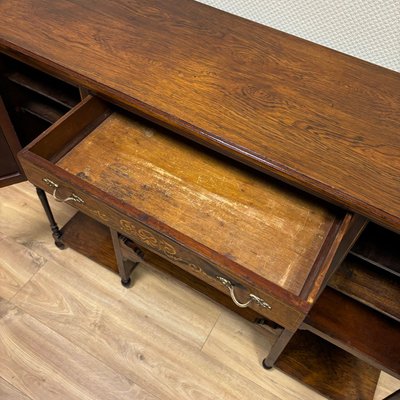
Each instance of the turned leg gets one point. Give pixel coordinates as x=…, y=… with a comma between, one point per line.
x=125, y=266
x=277, y=348
x=57, y=235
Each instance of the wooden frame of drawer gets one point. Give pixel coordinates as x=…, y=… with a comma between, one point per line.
x=281, y=313
x=39, y=162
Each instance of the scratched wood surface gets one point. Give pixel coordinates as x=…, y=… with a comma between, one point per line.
x=272, y=230
x=320, y=119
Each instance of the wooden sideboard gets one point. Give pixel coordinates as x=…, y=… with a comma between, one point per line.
x=245, y=158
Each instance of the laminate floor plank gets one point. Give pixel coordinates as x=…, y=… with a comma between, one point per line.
x=9, y=392
x=242, y=347
x=44, y=365
x=22, y=217
x=128, y=341
x=17, y=265
x=387, y=385
x=157, y=296
x=194, y=322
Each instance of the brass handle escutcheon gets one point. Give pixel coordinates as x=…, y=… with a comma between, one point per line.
x=252, y=297
x=72, y=197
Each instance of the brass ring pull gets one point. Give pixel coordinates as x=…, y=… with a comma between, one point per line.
x=72, y=197
x=253, y=297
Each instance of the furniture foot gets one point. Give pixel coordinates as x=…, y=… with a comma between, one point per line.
x=59, y=244
x=277, y=348
x=56, y=233
x=125, y=266
x=265, y=364
x=126, y=283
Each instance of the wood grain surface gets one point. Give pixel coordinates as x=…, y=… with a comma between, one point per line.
x=368, y=284
x=228, y=342
x=315, y=117
x=16, y=267
x=89, y=237
x=358, y=329
x=39, y=361
x=9, y=392
x=272, y=230
x=141, y=348
x=328, y=369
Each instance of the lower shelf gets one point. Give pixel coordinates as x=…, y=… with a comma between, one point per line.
x=327, y=369
x=358, y=329
x=90, y=238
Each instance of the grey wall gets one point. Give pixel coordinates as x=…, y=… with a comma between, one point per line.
x=367, y=29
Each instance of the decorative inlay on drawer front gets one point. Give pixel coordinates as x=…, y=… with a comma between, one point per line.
x=157, y=244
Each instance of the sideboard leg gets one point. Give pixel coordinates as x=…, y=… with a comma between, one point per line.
x=57, y=235
x=125, y=266
x=277, y=348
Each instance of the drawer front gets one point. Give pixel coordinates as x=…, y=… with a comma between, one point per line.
x=263, y=303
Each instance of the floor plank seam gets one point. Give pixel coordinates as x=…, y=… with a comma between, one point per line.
x=209, y=333
x=27, y=282
x=289, y=392
x=23, y=393
x=77, y=344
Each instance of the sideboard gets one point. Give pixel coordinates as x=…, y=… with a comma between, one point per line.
x=247, y=162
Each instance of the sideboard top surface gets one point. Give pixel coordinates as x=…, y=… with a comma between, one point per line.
x=319, y=119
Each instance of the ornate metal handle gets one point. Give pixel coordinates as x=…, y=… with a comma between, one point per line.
x=72, y=197
x=253, y=297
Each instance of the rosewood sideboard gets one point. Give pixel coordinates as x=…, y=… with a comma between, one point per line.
x=255, y=166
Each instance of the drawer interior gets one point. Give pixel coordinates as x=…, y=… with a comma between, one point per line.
x=264, y=225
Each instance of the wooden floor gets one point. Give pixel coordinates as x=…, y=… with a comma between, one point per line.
x=69, y=330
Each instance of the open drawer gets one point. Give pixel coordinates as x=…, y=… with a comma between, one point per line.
x=246, y=234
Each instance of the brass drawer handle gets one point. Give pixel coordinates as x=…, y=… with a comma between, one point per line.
x=72, y=197
x=253, y=297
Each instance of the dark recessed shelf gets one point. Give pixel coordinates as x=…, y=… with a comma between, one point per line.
x=46, y=86
x=327, y=369
x=359, y=279
x=42, y=110
x=380, y=247
x=358, y=329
